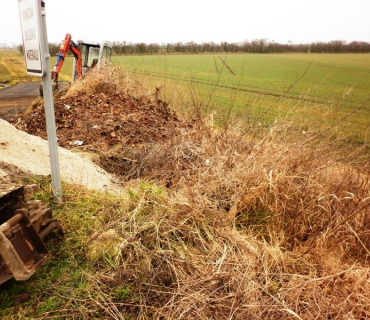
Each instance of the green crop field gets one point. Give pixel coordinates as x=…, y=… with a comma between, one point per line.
x=326, y=78
x=327, y=87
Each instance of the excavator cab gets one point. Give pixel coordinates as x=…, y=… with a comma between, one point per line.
x=93, y=55
x=87, y=56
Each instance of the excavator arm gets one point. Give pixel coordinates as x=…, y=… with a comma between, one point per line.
x=67, y=45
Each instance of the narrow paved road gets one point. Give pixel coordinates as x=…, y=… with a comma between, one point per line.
x=16, y=99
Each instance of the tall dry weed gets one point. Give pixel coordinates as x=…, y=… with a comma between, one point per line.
x=228, y=224
x=252, y=228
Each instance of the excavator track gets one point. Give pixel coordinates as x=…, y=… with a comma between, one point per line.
x=23, y=227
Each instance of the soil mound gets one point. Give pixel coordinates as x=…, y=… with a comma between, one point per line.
x=103, y=119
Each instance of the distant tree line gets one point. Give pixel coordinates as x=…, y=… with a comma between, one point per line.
x=254, y=46
x=53, y=48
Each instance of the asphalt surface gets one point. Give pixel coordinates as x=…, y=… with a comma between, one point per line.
x=15, y=100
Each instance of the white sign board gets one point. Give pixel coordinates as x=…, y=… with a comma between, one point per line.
x=29, y=13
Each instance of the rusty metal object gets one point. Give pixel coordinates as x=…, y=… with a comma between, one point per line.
x=23, y=227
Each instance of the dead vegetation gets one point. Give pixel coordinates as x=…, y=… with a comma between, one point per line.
x=222, y=225
x=262, y=229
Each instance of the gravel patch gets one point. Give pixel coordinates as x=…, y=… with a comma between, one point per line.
x=30, y=155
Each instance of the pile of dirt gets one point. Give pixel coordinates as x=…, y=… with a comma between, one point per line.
x=103, y=119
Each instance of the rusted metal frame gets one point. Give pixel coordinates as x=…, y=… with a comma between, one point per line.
x=22, y=265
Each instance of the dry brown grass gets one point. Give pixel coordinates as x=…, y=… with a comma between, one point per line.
x=248, y=228
x=218, y=224
x=235, y=224
x=109, y=80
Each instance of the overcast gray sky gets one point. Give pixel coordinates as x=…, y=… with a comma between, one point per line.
x=197, y=20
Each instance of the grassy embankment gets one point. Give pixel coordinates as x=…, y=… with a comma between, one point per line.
x=12, y=68
x=216, y=224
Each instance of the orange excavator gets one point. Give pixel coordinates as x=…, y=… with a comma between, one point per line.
x=87, y=55
x=67, y=45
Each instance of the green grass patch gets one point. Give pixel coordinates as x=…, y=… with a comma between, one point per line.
x=62, y=284
x=66, y=285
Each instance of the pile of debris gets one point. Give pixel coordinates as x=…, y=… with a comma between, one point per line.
x=103, y=119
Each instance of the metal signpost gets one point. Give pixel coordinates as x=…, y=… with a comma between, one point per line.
x=37, y=58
